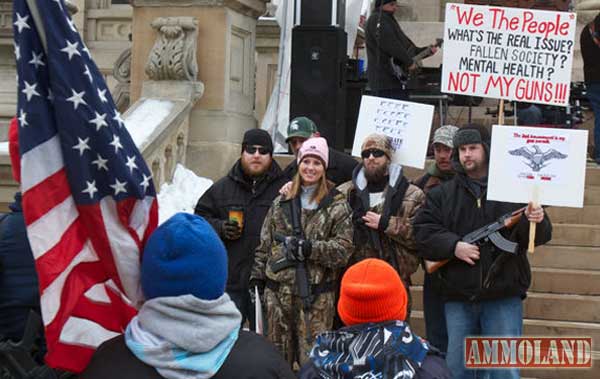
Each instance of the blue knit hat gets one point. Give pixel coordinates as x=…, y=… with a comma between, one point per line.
x=184, y=256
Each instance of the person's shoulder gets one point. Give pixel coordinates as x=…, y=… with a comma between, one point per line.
x=263, y=356
x=113, y=359
x=434, y=367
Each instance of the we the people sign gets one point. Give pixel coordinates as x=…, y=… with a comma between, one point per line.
x=508, y=53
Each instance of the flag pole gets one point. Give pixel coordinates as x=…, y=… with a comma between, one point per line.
x=37, y=20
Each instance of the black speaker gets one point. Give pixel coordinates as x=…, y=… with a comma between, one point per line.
x=318, y=79
x=321, y=12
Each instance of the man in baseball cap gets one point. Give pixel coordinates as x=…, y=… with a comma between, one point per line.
x=438, y=172
x=341, y=164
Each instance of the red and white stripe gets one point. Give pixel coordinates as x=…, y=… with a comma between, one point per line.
x=87, y=257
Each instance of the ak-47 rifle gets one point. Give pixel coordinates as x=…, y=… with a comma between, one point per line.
x=490, y=232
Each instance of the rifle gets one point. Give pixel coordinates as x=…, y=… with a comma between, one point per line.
x=302, y=281
x=16, y=361
x=489, y=232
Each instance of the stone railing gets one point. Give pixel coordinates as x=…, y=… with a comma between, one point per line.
x=159, y=121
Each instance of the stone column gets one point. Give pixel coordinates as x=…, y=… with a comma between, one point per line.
x=225, y=55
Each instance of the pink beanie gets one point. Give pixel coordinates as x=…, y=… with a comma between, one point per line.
x=317, y=147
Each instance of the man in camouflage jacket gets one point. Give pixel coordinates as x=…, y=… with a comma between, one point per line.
x=329, y=231
x=383, y=205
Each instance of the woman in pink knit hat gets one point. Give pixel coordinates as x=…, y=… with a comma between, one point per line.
x=306, y=240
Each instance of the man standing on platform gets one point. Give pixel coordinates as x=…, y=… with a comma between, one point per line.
x=388, y=49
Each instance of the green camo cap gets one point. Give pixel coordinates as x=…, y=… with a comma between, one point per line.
x=301, y=127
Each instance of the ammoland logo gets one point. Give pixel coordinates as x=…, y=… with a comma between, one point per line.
x=528, y=352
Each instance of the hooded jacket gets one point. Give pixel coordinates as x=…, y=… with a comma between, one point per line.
x=382, y=350
x=255, y=198
x=401, y=202
x=432, y=178
x=454, y=209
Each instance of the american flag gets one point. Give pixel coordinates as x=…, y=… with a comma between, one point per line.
x=88, y=199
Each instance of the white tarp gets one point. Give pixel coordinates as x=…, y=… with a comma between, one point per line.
x=276, y=116
x=508, y=53
x=407, y=124
x=545, y=165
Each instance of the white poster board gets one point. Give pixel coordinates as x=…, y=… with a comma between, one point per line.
x=407, y=124
x=548, y=161
x=508, y=53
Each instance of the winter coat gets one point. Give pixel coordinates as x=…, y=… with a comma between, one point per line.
x=255, y=198
x=402, y=200
x=251, y=357
x=590, y=52
x=328, y=228
x=339, y=169
x=386, y=40
x=432, y=178
x=450, y=212
x=18, y=279
x=359, y=352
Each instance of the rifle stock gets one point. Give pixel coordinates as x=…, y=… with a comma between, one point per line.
x=508, y=221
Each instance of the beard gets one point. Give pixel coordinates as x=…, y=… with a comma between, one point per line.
x=376, y=174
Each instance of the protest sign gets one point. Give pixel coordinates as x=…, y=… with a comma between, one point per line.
x=407, y=125
x=508, y=53
x=545, y=163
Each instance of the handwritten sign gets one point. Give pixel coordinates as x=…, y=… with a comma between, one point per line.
x=406, y=124
x=508, y=53
x=550, y=161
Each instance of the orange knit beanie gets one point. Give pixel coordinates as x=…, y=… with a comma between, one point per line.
x=372, y=291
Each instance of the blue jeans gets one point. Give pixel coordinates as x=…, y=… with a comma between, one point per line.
x=593, y=94
x=503, y=317
x=435, y=319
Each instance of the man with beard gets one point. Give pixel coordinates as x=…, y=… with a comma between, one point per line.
x=438, y=172
x=482, y=286
x=383, y=206
x=236, y=207
x=340, y=165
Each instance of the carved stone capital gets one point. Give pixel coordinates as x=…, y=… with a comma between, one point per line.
x=173, y=56
x=251, y=8
x=122, y=67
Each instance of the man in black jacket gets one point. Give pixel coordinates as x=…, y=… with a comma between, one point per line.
x=482, y=286
x=249, y=188
x=340, y=165
x=386, y=41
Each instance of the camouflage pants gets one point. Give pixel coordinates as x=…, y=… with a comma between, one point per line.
x=285, y=318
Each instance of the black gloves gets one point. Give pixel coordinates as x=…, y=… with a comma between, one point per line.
x=231, y=230
x=297, y=249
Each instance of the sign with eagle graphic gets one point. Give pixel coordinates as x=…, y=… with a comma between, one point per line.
x=543, y=163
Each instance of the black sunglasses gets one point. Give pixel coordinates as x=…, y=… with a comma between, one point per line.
x=261, y=150
x=375, y=152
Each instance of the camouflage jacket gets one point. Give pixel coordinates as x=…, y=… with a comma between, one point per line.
x=328, y=228
x=398, y=210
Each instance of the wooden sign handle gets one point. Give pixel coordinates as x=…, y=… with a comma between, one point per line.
x=501, y=112
x=533, y=225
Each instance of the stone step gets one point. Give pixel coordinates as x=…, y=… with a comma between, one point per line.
x=592, y=175
x=533, y=327
x=545, y=306
x=575, y=235
x=586, y=215
x=553, y=280
x=545, y=328
x=567, y=257
x=591, y=195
